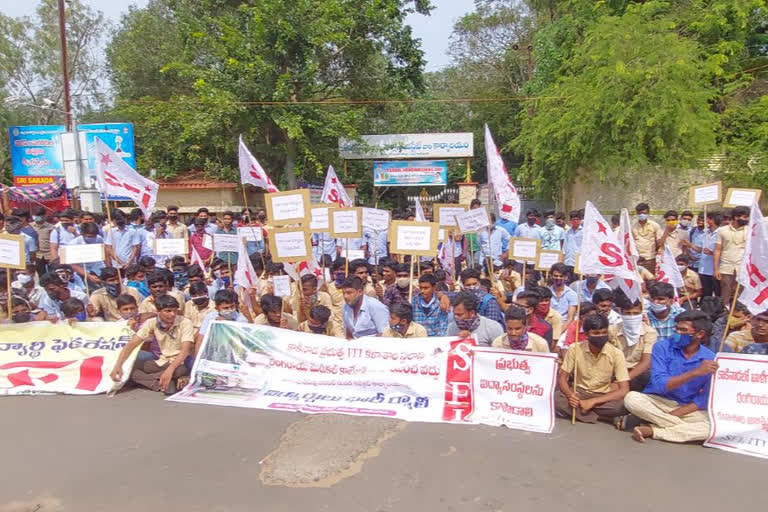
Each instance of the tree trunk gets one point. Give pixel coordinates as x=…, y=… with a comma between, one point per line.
x=290, y=156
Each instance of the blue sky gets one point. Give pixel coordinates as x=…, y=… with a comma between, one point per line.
x=434, y=30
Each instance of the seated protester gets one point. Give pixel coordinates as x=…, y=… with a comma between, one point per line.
x=397, y=292
x=66, y=274
x=361, y=314
x=172, y=290
x=134, y=278
x=636, y=339
x=89, y=234
x=600, y=376
x=361, y=269
x=518, y=336
x=528, y=301
x=273, y=315
x=431, y=308
x=509, y=279
x=759, y=332
x=25, y=286
x=570, y=335
x=564, y=300
x=73, y=310
x=173, y=335
x=320, y=322
x=128, y=308
x=693, y=287
x=713, y=307
x=589, y=285
x=21, y=312
x=308, y=296
x=338, y=275
x=180, y=271
x=674, y=403
x=225, y=309
x=487, y=305
x=195, y=275
x=222, y=278
x=662, y=309
x=55, y=293
x=603, y=299
x=104, y=300
x=467, y=322
x=158, y=287
x=387, y=267
x=198, y=305
x=401, y=324
x=147, y=264
x=545, y=312
x=442, y=281
x=752, y=332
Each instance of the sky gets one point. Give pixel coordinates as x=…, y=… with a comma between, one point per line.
x=433, y=30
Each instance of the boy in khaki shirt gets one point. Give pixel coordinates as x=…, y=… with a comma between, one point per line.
x=730, y=243
x=401, y=324
x=320, y=322
x=517, y=337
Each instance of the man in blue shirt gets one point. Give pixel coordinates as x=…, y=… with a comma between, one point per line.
x=509, y=225
x=573, y=238
x=362, y=315
x=674, y=403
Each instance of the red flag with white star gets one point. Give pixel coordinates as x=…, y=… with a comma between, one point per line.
x=601, y=251
x=251, y=170
x=334, y=192
x=116, y=177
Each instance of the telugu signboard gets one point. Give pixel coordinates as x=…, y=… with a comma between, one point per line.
x=408, y=145
x=410, y=173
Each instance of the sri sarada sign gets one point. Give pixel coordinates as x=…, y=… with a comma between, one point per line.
x=408, y=145
x=410, y=173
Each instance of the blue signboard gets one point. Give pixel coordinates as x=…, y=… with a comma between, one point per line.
x=410, y=173
x=36, y=154
x=118, y=136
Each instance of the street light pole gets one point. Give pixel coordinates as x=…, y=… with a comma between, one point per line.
x=65, y=66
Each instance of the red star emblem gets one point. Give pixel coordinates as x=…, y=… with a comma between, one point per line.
x=105, y=160
x=601, y=228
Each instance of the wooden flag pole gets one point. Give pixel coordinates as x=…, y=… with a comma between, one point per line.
x=491, y=273
x=9, y=306
x=410, y=284
x=346, y=262
x=576, y=344
x=730, y=315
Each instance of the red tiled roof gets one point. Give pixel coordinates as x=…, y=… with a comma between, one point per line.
x=193, y=179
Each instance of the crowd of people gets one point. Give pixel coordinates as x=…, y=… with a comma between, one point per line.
x=641, y=365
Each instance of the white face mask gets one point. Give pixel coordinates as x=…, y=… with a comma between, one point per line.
x=633, y=328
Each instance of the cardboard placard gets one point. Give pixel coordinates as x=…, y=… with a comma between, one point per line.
x=472, y=221
x=709, y=193
x=291, y=207
x=377, y=220
x=281, y=286
x=170, y=246
x=12, y=252
x=524, y=249
x=547, y=258
x=346, y=222
x=742, y=197
x=353, y=254
x=444, y=214
x=226, y=243
x=415, y=238
x=250, y=233
x=291, y=245
x=319, y=219
x=86, y=253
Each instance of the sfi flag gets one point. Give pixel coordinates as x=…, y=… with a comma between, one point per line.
x=333, y=191
x=753, y=275
x=116, y=177
x=251, y=170
x=632, y=289
x=601, y=252
x=668, y=271
x=503, y=189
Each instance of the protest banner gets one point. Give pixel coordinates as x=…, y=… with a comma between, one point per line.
x=86, y=253
x=376, y=220
x=291, y=207
x=170, y=246
x=742, y=197
x=547, y=258
x=319, y=221
x=226, y=243
x=247, y=365
x=12, y=251
x=524, y=249
x=75, y=360
x=738, y=402
x=414, y=238
x=514, y=388
x=709, y=193
x=471, y=221
x=345, y=223
x=290, y=245
x=282, y=286
x=445, y=214
x=250, y=233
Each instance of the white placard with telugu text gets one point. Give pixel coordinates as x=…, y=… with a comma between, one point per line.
x=86, y=253
x=291, y=244
x=282, y=286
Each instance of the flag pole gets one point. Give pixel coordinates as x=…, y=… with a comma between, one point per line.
x=410, y=284
x=346, y=262
x=576, y=341
x=8, y=290
x=730, y=316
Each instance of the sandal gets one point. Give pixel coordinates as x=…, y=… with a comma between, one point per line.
x=626, y=423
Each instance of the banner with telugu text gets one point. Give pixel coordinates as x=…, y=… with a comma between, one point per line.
x=59, y=358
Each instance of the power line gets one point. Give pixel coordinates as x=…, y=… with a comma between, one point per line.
x=365, y=102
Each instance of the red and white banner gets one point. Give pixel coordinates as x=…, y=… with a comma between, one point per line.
x=503, y=189
x=632, y=289
x=304, y=268
x=116, y=177
x=738, y=402
x=667, y=271
x=601, y=251
x=753, y=274
x=251, y=170
x=333, y=191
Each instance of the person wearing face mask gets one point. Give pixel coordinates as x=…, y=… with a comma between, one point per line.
x=273, y=314
x=589, y=286
x=397, y=292
x=25, y=286
x=55, y=293
x=307, y=296
x=488, y=306
x=361, y=314
x=204, y=220
x=222, y=279
x=180, y=271
x=730, y=242
x=227, y=228
x=662, y=309
x=431, y=308
x=673, y=406
x=13, y=226
x=63, y=234
x=226, y=310
x=758, y=332
x=545, y=312
x=673, y=237
x=128, y=308
x=686, y=221
x=175, y=228
x=401, y=324
x=693, y=289
x=635, y=337
x=43, y=228
x=122, y=243
x=158, y=231
x=467, y=322
x=198, y=305
x=65, y=273
x=173, y=335
x=89, y=235
x=551, y=235
x=572, y=239
x=603, y=299
x=647, y=234
x=527, y=301
x=197, y=240
x=21, y=312
x=518, y=336
x=73, y=311
x=600, y=373
x=320, y=322
x=564, y=300
x=494, y=245
x=104, y=300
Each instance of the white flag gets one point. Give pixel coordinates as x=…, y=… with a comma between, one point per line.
x=334, y=192
x=196, y=259
x=251, y=170
x=668, y=271
x=302, y=269
x=503, y=189
x=753, y=275
x=601, y=252
x=245, y=275
x=418, y=215
x=116, y=177
x=632, y=289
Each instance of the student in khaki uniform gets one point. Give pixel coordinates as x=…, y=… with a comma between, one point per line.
x=647, y=234
x=676, y=239
x=175, y=228
x=730, y=242
x=307, y=296
x=753, y=331
x=103, y=301
x=596, y=364
x=158, y=287
x=173, y=334
x=361, y=269
x=334, y=289
x=401, y=324
x=517, y=336
x=693, y=288
x=635, y=337
x=199, y=305
x=273, y=314
x=320, y=322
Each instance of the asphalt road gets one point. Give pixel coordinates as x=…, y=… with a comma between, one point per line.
x=136, y=452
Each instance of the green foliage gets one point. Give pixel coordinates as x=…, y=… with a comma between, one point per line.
x=745, y=141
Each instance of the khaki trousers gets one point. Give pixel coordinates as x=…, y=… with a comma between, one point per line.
x=148, y=373
x=665, y=426
x=607, y=410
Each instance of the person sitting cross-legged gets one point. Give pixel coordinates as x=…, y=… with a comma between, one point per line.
x=518, y=337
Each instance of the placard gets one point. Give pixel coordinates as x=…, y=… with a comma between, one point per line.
x=444, y=214
x=353, y=254
x=291, y=207
x=226, y=243
x=208, y=242
x=377, y=220
x=345, y=222
x=319, y=221
x=472, y=221
x=86, y=253
x=170, y=246
x=524, y=249
x=709, y=193
x=12, y=251
x=281, y=286
x=250, y=233
x=291, y=245
x=547, y=258
x=415, y=238
x=742, y=197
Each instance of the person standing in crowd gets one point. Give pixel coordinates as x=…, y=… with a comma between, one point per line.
x=704, y=245
x=471, y=242
x=493, y=244
x=467, y=322
x=673, y=237
x=572, y=240
x=518, y=336
x=730, y=242
x=551, y=235
x=375, y=245
x=175, y=228
x=323, y=244
x=197, y=240
x=64, y=233
x=398, y=292
x=401, y=324
x=14, y=226
x=157, y=231
x=89, y=271
x=209, y=227
x=589, y=286
x=362, y=315
x=564, y=300
x=507, y=225
x=43, y=228
x=647, y=234
x=227, y=228
x=122, y=243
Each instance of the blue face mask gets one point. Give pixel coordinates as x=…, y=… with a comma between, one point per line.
x=681, y=340
x=225, y=280
x=91, y=240
x=81, y=316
